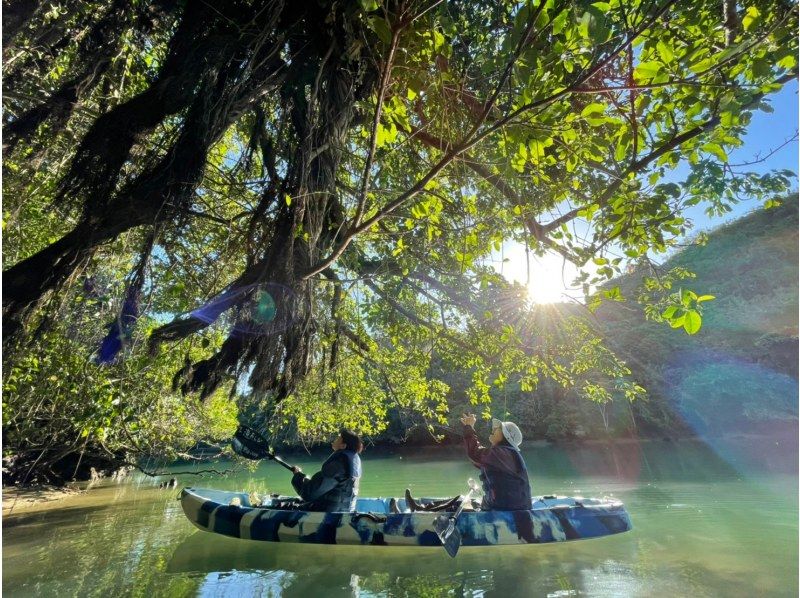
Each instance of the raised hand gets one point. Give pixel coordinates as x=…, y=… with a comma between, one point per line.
x=468, y=419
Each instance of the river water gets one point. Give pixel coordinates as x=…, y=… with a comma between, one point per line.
x=710, y=519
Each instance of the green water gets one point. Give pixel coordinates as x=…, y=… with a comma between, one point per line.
x=718, y=520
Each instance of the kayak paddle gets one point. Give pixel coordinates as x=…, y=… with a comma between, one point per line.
x=250, y=444
x=445, y=525
x=448, y=532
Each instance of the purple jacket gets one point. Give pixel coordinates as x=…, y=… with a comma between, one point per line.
x=503, y=473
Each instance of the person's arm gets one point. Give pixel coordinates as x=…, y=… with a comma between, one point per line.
x=477, y=454
x=321, y=482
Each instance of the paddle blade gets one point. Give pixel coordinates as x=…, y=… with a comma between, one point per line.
x=440, y=525
x=453, y=543
x=448, y=533
x=250, y=444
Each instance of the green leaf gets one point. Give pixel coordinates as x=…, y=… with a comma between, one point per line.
x=665, y=51
x=692, y=322
x=750, y=18
x=677, y=322
x=788, y=62
x=559, y=22
x=438, y=40
x=592, y=25
x=669, y=313
x=761, y=67
x=381, y=29
x=716, y=150
x=702, y=65
x=369, y=5
x=594, y=114
x=385, y=134
x=646, y=70
x=702, y=298
x=288, y=199
x=536, y=149
x=687, y=297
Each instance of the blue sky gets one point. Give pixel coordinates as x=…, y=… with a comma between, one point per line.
x=765, y=133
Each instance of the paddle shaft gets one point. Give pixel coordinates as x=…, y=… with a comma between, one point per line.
x=280, y=461
x=460, y=508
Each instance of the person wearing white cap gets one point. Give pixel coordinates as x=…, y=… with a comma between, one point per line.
x=503, y=470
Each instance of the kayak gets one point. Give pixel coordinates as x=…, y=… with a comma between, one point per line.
x=550, y=519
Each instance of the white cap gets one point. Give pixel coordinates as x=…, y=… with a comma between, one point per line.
x=511, y=432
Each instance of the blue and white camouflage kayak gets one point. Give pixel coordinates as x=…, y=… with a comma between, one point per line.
x=550, y=519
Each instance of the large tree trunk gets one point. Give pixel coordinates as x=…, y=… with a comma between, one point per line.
x=157, y=195
x=17, y=14
x=94, y=54
x=197, y=47
x=319, y=91
x=26, y=283
x=280, y=349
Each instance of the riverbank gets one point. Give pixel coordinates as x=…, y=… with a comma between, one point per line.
x=18, y=500
x=780, y=431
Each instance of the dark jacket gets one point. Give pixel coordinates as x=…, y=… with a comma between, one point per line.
x=335, y=487
x=503, y=473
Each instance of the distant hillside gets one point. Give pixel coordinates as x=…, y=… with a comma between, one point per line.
x=739, y=373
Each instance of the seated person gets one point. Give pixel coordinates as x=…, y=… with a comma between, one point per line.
x=335, y=487
x=503, y=471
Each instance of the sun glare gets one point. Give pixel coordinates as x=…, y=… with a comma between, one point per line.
x=549, y=279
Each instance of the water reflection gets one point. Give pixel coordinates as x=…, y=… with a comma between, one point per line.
x=701, y=527
x=367, y=571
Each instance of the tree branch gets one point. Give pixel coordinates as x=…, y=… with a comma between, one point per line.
x=640, y=164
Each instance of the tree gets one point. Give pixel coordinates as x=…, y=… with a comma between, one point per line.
x=326, y=181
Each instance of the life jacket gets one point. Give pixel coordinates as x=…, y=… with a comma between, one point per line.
x=506, y=491
x=344, y=495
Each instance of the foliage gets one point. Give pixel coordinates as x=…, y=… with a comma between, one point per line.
x=354, y=167
x=62, y=413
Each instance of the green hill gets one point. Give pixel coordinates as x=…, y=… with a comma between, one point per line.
x=739, y=373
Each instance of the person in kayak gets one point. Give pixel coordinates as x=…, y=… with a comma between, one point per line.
x=335, y=487
x=503, y=472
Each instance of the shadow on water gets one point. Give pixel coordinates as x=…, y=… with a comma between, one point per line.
x=226, y=565
x=60, y=516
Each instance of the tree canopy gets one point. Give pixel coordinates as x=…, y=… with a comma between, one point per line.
x=300, y=201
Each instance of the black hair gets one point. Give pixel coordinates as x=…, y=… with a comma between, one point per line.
x=351, y=440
